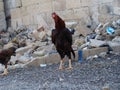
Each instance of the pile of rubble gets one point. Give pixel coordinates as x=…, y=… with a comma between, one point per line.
x=104, y=34
x=34, y=44
x=30, y=44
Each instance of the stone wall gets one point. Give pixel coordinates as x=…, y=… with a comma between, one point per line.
x=35, y=13
x=2, y=16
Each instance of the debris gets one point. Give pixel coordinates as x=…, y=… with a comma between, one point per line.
x=96, y=43
x=116, y=39
x=43, y=65
x=106, y=88
x=61, y=79
x=110, y=30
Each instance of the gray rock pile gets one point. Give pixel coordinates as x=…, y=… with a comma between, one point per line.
x=34, y=44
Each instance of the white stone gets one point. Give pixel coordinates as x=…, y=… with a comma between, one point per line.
x=22, y=50
x=96, y=43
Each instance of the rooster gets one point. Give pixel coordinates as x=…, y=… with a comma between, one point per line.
x=5, y=56
x=62, y=39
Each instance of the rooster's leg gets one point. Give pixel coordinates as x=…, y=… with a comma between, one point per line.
x=70, y=65
x=61, y=64
x=5, y=70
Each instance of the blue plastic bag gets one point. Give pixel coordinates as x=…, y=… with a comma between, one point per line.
x=110, y=30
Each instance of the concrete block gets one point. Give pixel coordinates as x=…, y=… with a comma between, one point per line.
x=24, y=11
x=82, y=29
x=45, y=7
x=116, y=48
x=116, y=10
x=15, y=13
x=67, y=15
x=16, y=23
x=73, y=4
x=81, y=13
x=39, y=19
x=55, y=58
x=32, y=9
x=29, y=2
x=26, y=20
x=22, y=50
x=59, y=5
x=94, y=51
x=36, y=62
x=52, y=58
x=96, y=43
x=86, y=3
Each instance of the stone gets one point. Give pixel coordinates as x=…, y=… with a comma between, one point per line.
x=116, y=39
x=96, y=43
x=117, y=10
x=94, y=51
x=39, y=53
x=79, y=42
x=8, y=45
x=71, y=24
x=22, y=50
x=36, y=61
x=82, y=29
x=106, y=88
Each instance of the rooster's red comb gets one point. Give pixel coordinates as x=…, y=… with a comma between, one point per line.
x=53, y=13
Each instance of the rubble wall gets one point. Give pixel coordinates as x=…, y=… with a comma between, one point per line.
x=35, y=13
x=2, y=16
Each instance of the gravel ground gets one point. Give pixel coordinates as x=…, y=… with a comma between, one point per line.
x=88, y=75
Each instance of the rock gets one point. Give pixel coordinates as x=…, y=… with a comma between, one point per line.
x=85, y=46
x=98, y=29
x=39, y=53
x=75, y=47
x=35, y=34
x=103, y=54
x=116, y=39
x=13, y=60
x=96, y=43
x=82, y=29
x=22, y=50
x=117, y=32
x=71, y=24
x=9, y=45
x=106, y=88
x=113, y=44
x=79, y=42
x=23, y=59
x=40, y=34
x=43, y=65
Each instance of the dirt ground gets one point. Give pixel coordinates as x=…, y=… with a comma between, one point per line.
x=88, y=75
